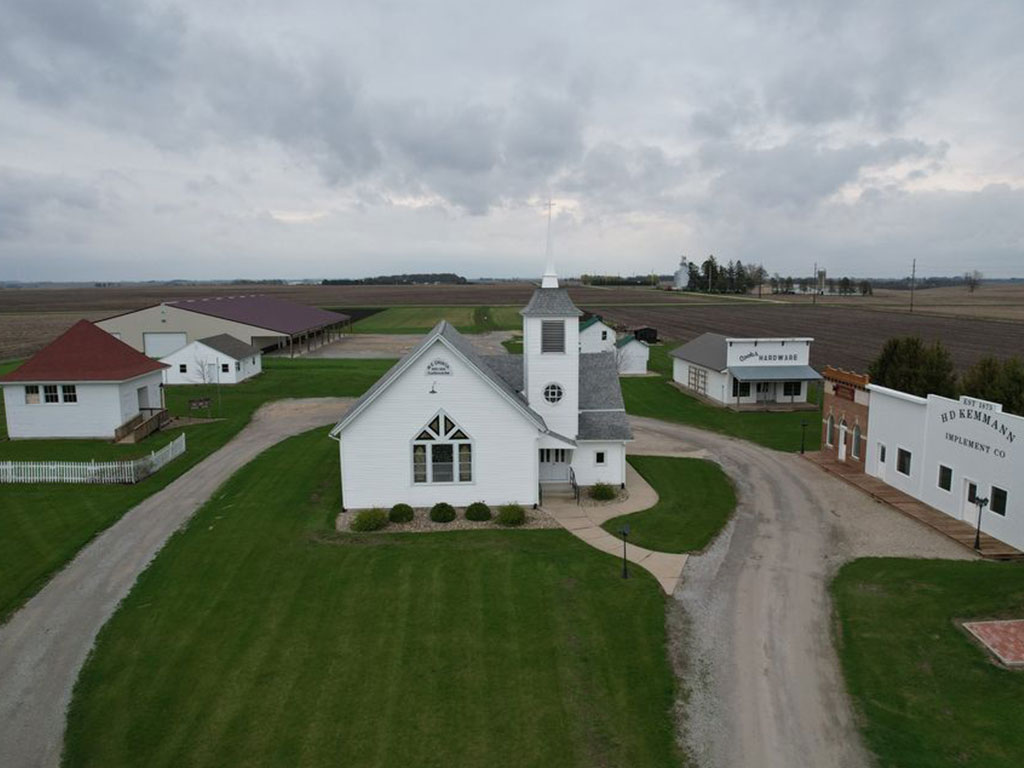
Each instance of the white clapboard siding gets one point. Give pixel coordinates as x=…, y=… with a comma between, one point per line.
x=123, y=472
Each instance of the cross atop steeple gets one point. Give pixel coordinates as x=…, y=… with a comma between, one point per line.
x=550, y=279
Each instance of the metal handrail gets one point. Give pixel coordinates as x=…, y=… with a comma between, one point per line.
x=575, y=485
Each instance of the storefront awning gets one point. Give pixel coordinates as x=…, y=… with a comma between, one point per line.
x=774, y=373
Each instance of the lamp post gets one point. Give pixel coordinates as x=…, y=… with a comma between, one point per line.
x=982, y=503
x=624, y=533
x=803, y=435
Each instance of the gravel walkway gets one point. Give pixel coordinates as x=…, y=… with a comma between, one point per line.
x=755, y=636
x=44, y=645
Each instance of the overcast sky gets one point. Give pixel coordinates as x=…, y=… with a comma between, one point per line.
x=261, y=138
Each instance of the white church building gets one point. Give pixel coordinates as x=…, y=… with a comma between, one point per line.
x=449, y=424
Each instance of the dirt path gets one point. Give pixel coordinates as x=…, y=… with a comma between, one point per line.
x=765, y=684
x=44, y=645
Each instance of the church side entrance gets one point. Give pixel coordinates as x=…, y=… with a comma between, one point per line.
x=554, y=465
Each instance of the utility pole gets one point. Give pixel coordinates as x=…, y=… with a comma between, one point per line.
x=913, y=279
x=814, y=296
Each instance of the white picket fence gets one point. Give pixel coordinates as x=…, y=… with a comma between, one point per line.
x=125, y=472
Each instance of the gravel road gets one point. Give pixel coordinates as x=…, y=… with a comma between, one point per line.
x=44, y=645
x=764, y=682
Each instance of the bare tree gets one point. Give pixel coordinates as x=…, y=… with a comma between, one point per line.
x=972, y=279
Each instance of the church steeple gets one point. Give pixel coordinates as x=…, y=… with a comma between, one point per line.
x=550, y=278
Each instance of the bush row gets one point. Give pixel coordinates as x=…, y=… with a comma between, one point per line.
x=509, y=515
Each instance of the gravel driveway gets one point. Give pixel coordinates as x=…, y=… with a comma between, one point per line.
x=765, y=686
x=44, y=645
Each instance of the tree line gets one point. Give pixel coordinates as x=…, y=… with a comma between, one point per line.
x=910, y=364
x=419, y=278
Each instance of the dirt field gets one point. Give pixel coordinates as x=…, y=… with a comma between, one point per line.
x=849, y=330
x=1000, y=301
x=844, y=337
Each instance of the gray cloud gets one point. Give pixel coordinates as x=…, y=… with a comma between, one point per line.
x=767, y=128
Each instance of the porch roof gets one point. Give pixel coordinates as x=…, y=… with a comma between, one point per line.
x=774, y=373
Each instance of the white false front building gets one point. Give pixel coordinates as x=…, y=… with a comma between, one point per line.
x=950, y=454
x=745, y=371
x=449, y=424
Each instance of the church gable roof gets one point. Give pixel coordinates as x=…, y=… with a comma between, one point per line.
x=455, y=341
x=550, y=302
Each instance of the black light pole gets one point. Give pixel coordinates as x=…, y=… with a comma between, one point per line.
x=803, y=435
x=982, y=503
x=624, y=532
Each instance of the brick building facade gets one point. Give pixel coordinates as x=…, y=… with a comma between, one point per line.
x=844, y=416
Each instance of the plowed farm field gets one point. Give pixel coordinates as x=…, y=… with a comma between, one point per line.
x=843, y=336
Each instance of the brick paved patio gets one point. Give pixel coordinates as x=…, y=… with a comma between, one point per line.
x=1005, y=639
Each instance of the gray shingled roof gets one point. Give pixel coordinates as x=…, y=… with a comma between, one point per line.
x=509, y=368
x=709, y=350
x=604, y=425
x=228, y=345
x=453, y=337
x=550, y=302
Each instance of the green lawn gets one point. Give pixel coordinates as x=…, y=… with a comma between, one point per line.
x=261, y=637
x=421, y=319
x=928, y=696
x=514, y=345
x=45, y=525
x=695, y=500
x=656, y=398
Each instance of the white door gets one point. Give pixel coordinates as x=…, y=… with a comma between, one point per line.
x=554, y=465
x=842, y=442
x=969, y=511
x=143, y=394
x=162, y=344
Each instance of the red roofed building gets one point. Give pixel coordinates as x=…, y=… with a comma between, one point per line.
x=85, y=383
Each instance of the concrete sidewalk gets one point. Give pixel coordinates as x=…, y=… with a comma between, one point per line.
x=584, y=522
x=44, y=644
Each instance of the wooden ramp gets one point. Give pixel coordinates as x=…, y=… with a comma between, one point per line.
x=958, y=530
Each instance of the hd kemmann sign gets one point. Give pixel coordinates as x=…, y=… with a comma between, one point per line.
x=976, y=427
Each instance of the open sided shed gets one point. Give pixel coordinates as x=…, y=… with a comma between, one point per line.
x=265, y=322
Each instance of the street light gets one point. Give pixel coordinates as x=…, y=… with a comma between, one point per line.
x=803, y=435
x=624, y=533
x=982, y=503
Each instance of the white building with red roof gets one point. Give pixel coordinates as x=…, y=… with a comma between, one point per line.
x=85, y=383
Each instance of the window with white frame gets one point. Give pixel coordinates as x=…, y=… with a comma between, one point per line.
x=903, y=458
x=552, y=336
x=830, y=431
x=50, y=393
x=791, y=388
x=31, y=394
x=997, y=501
x=442, y=453
x=599, y=457
x=855, y=445
x=238, y=366
x=741, y=388
x=553, y=393
x=182, y=367
x=604, y=335
x=69, y=393
x=945, y=478
x=223, y=367
x=553, y=455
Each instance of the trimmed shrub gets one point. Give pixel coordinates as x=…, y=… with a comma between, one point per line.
x=400, y=513
x=478, y=512
x=442, y=513
x=603, y=492
x=370, y=520
x=511, y=515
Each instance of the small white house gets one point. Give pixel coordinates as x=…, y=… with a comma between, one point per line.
x=631, y=355
x=84, y=384
x=950, y=454
x=596, y=335
x=449, y=424
x=221, y=359
x=742, y=371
